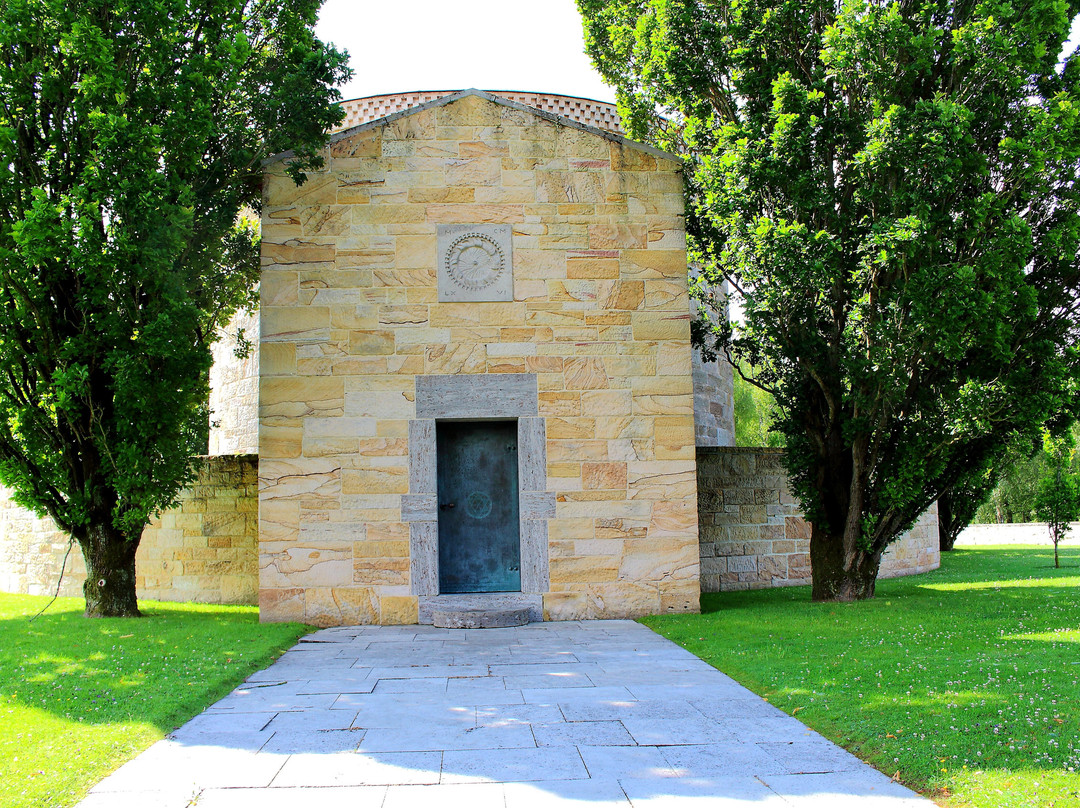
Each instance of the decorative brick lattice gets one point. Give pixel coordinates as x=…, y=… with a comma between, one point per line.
x=583, y=110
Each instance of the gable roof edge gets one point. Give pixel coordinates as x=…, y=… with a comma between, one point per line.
x=506, y=102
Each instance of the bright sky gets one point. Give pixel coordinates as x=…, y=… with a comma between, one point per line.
x=403, y=45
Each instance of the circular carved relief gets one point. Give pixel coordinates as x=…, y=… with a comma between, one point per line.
x=478, y=505
x=474, y=261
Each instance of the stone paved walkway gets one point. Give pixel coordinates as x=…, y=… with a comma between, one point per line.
x=599, y=714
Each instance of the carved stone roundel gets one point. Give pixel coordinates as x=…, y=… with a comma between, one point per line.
x=475, y=261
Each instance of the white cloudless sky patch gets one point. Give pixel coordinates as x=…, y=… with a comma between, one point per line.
x=527, y=45
x=404, y=45
x=1074, y=38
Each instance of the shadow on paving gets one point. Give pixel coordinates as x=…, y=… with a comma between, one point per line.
x=602, y=713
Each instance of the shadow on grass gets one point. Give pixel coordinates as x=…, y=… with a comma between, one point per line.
x=79, y=697
x=159, y=669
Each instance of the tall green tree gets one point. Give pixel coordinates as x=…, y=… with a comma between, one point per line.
x=1017, y=479
x=1058, y=500
x=892, y=188
x=131, y=135
x=754, y=415
x=1013, y=496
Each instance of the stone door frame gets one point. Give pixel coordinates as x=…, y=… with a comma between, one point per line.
x=480, y=397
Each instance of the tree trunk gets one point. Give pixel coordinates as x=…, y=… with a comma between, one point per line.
x=110, y=573
x=947, y=529
x=840, y=571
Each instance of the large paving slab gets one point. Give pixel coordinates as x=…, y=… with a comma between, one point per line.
x=597, y=713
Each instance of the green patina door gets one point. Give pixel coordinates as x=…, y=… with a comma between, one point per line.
x=479, y=544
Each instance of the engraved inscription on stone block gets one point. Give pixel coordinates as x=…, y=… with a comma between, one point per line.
x=742, y=564
x=476, y=262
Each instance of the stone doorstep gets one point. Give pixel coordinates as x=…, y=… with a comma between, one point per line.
x=480, y=610
x=480, y=618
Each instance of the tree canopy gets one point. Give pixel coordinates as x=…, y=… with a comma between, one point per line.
x=131, y=136
x=892, y=189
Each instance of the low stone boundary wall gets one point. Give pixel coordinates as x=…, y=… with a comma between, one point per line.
x=752, y=532
x=1014, y=533
x=204, y=550
x=752, y=535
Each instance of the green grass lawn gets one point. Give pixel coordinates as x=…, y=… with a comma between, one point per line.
x=964, y=683
x=79, y=697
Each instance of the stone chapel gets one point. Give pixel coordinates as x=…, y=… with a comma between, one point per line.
x=475, y=369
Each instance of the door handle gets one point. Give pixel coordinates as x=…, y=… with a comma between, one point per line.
x=446, y=505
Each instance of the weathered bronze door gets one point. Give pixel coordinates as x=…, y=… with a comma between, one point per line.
x=479, y=543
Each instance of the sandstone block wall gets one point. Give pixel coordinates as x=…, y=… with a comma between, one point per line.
x=32, y=553
x=752, y=531
x=234, y=389
x=714, y=382
x=714, y=402
x=598, y=323
x=204, y=550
